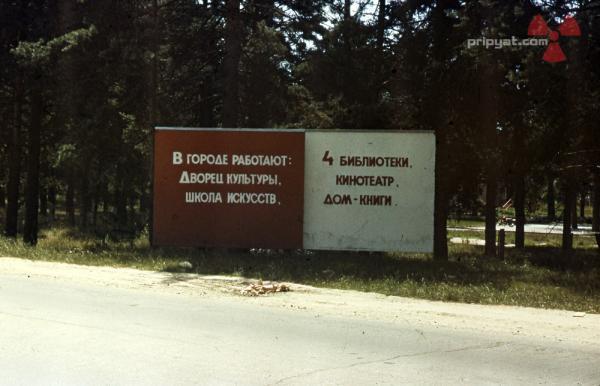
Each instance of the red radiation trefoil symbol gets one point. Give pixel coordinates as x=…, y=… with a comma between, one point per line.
x=568, y=27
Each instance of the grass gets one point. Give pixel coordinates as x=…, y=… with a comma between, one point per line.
x=465, y=222
x=536, y=276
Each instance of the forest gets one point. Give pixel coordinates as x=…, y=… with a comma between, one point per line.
x=84, y=83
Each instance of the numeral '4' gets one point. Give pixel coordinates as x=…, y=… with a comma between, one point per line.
x=328, y=158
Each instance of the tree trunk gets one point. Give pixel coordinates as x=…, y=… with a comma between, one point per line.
x=572, y=129
x=14, y=165
x=488, y=90
x=437, y=120
x=596, y=208
x=574, y=219
x=490, y=212
x=105, y=202
x=550, y=199
x=43, y=199
x=84, y=202
x=52, y=201
x=70, y=200
x=95, y=211
x=231, y=62
x=145, y=201
x=153, y=121
x=381, y=25
x=518, y=185
x=567, y=235
x=44, y=179
x=347, y=9
x=120, y=198
x=383, y=70
x=32, y=190
x=132, y=210
x=582, y=204
x=440, y=214
x=519, y=194
x=121, y=206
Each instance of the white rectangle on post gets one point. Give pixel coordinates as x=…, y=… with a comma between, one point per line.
x=369, y=191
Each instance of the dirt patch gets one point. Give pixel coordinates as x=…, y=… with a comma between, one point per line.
x=261, y=288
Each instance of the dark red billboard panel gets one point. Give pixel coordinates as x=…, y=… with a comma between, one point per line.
x=228, y=188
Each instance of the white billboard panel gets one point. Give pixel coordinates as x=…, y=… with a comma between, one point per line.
x=369, y=191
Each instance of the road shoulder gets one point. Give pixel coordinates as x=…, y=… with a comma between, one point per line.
x=554, y=325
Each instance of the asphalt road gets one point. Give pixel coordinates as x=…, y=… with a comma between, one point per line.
x=72, y=333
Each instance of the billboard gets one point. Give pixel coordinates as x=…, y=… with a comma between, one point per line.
x=369, y=191
x=294, y=189
x=228, y=188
